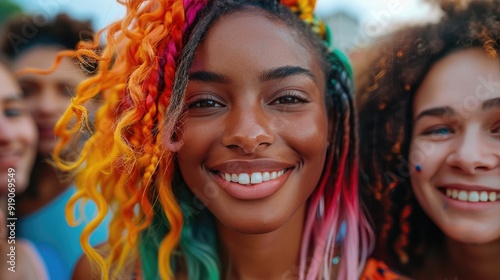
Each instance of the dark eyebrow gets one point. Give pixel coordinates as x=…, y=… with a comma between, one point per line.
x=491, y=103
x=286, y=71
x=445, y=111
x=207, y=76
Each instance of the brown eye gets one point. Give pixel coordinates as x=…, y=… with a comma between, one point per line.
x=287, y=100
x=204, y=103
x=290, y=98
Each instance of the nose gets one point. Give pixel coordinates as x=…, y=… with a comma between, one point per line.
x=247, y=129
x=473, y=155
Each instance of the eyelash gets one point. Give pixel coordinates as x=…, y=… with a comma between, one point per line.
x=496, y=130
x=298, y=98
x=197, y=103
x=436, y=131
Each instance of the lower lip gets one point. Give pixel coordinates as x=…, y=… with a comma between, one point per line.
x=255, y=191
x=470, y=206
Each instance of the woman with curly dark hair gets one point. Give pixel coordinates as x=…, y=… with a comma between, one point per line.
x=430, y=144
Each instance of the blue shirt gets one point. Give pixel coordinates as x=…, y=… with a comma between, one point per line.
x=48, y=227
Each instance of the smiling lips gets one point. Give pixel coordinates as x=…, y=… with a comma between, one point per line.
x=472, y=196
x=251, y=178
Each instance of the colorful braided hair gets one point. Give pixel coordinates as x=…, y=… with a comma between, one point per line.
x=127, y=166
x=406, y=234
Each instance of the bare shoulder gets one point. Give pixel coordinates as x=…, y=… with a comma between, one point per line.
x=84, y=269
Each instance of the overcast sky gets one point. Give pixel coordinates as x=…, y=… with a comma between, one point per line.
x=102, y=12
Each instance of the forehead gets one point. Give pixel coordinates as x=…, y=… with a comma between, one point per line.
x=249, y=34
x=42, y=57
x=461, y=77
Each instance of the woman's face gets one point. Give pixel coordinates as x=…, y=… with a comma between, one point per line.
x=48, y=96
x=456, y=140
x=18, y=137
x=255, y=133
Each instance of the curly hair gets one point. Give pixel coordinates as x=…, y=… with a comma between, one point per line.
x=128, y=164
x=405, y=232
x=22, y=32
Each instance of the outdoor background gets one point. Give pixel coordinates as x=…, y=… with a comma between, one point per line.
x=354, y=22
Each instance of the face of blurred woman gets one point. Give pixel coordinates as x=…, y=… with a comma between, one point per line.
x=48, y=96
x=255, y=135
x=18, y=136
x=456, y=140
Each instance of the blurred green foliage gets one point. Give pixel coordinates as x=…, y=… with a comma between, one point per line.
x=7, y=9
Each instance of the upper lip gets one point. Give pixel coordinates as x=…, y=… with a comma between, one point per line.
x=468, y=187
x=250, y=166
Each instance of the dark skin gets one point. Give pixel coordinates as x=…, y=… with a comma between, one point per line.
x=252, y=87
x=261, y=236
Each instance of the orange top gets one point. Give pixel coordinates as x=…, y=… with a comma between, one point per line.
x=378, y=270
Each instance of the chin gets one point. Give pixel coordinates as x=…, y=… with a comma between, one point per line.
x=474, y=235
x=254, y=226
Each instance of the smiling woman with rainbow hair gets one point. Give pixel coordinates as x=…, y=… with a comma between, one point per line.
x=225, y=144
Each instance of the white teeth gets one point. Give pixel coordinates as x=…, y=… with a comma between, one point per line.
x=484, y=196
x=472, y=196
x=493, y=196
x=266, y=176
x=244, y=179
x=234, y=178
x=462, y=196
x=254, y=178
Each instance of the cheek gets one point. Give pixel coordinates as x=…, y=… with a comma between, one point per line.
x=307, y=134
x=426, y=163
x=197, y=139
x=28, y=138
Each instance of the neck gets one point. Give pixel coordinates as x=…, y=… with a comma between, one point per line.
x=262, y=256
x=474, y=261
x=460, y=260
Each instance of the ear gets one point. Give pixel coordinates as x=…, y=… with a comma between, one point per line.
x=174, y=142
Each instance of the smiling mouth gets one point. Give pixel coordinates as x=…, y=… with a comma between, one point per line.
x=251, y=178
x=471, y=196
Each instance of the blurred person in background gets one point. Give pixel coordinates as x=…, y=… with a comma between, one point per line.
x=30, y=44
x=20, y=258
